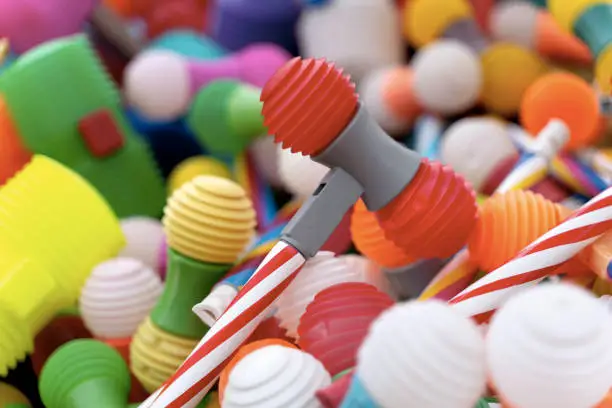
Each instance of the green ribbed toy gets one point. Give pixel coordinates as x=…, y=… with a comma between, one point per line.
x=225, y=116
x=66, y=107
x=85, y=373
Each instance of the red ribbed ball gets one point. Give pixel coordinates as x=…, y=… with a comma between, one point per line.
x=337, y=320
x=434, y=215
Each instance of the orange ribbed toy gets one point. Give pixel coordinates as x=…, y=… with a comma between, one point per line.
x=369, y=238
x=243, y=352
x=509, y=222
x=434, y=216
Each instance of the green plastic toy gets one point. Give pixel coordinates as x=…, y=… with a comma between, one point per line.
x=65, y=106
x=225, y=116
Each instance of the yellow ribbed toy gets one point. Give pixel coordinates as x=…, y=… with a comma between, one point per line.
x=192, y=167
x=157, y=354
x=53, y=216
x=15, y=341
x=11, y=395
x=210, y=219
x=426, y=20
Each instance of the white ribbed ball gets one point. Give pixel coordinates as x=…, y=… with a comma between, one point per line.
x=117, y=297
x=426, y=353
x=447, y=77
x=320, y=272
x=369, y=271
x=514, y=22
x=275, y=377
x=143, y=236
x=300, y=174
x=474, y=147
x=549, y=346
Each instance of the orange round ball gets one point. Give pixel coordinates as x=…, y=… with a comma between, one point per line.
x=564, y=96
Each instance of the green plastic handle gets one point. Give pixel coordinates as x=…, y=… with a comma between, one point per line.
x=187, y=282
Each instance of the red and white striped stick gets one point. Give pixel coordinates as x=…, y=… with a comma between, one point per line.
x=540, y=258
x=201, y=369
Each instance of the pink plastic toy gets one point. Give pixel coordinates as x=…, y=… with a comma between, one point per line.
x=28, y=23
x=161, y=84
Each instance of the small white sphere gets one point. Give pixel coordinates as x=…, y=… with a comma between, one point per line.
x=515, y=22
x=447, y=77
x=320, y=272
x=300, y=174
x=424, y=352
x=157, y=85
x=265, y=154
x=144, y=238
x=474, y=147
x=371, y=92
x=275, y=377
x=118, y=296
x=549, y=346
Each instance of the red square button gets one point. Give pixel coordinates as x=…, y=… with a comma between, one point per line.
x=100, y=133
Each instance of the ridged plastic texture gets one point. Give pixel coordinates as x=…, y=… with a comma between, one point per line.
x=549, y=346
x=336, y=322
x=307, y=103
x=195, y=166
x=77, y=362
x=16, y=340
x=275, y=377
x=369, y=238
x=424, y=352
x=509, y=222
x=63, y=81
x=117, y=297
x=71, y=233
x=155, y=355
x=300, y=174
x=243, y=352
x=434, y=215
x=320, y=272
x=210, y=219
x=371, y=272
x=143, y=236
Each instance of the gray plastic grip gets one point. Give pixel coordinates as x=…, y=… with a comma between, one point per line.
x=409, y=281
x=381, y=165
x=468, y=32
x=320, y=214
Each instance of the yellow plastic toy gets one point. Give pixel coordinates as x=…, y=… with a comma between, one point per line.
x=54, y=228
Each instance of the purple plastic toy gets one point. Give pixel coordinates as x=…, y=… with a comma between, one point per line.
x=28, y=23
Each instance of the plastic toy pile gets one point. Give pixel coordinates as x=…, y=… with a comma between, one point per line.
x=303, y=204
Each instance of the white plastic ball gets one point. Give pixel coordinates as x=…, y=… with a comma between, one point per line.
x=447, y=77
x=474, y=147
x=549, y=346
x=424, y=352
x=514, y=22
x=144, y=236
x=275, y=377
x=118, y=296
x=320, y=272
x=265, y=154
x=369, y=271
x=370, y=91
x=157, y=85
x=300, y=174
